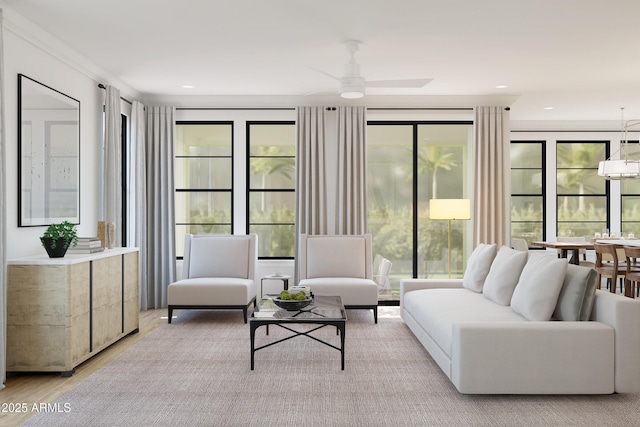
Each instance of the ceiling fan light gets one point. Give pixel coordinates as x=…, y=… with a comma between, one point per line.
x=352, y=87
x=352, y=93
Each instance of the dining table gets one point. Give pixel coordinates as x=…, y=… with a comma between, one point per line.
x=566, y=247
x=619, y=242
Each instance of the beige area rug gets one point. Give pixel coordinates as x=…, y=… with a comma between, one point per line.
x=196, y=371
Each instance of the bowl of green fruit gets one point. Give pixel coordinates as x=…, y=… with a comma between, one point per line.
x=292, y=301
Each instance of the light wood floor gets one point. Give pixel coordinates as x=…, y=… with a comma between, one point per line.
x=47, y=387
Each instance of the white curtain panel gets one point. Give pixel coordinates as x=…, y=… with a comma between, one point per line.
x=3, y=218
x=137, y=195
x=161, y=252
x=492, y=188
x=112, y=201
x=351, y=203
x=311, y=180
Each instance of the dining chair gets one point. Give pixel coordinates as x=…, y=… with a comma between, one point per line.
x=519, y=244
x=381, y=275
x=611, y=270
x=632, y=273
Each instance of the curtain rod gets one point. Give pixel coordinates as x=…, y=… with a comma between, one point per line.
x=328, y=108
x=101, y=86
x=421, y=108
x=235, y=108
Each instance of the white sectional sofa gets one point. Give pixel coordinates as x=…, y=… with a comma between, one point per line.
x=526, y=324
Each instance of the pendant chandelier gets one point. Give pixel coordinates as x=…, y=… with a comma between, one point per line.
x=624, y=167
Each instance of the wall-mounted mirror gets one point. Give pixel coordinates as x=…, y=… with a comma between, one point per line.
x=48, y=155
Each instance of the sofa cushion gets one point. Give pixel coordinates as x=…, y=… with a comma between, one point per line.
x=536, y=294
x=478, y=267
x=437, y=310
x=577, y=294
x=504, y=274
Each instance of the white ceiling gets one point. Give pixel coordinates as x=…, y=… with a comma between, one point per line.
x=577, y=56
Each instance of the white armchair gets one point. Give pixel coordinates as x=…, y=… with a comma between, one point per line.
x=339, y=265
x=218, y=273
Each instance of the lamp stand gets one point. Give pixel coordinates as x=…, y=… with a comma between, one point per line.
x=449, y=251
x=449, y=209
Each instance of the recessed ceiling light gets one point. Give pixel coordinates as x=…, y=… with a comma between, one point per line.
x=548, y=108
x=188, y=86
x=501, y=87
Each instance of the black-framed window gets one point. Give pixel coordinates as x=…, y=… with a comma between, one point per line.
x=203, y=179
x=582, y=195
x=630, y=197
x=528, y=183
x=271, y=187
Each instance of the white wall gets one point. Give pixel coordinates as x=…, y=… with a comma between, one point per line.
x=28, y=51
x=23, y=57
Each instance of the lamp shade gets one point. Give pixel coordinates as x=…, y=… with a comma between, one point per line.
x=449, y=209
x=619, y=169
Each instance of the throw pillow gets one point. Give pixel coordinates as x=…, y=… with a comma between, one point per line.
x=577, y=294
x=504, y=274
x=478, y=267
x=536, y=294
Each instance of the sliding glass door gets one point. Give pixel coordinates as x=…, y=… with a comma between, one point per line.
x=410, y=163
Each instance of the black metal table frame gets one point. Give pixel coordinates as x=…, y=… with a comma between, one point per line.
x=256, y=322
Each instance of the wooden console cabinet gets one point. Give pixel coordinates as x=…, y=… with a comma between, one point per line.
x=62, y=311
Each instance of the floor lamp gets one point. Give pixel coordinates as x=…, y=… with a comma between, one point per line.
x=449, y=209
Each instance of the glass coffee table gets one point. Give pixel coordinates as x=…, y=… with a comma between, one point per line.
x=323, y=311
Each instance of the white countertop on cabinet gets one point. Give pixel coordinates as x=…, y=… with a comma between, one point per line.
x=69, y=258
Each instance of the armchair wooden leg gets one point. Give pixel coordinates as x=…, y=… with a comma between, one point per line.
x=170, y=309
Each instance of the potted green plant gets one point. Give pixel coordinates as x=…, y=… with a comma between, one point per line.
x=58, y=237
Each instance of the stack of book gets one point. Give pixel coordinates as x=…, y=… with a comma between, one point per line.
x=86, y=245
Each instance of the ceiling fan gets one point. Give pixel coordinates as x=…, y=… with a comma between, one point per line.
x=352, y=84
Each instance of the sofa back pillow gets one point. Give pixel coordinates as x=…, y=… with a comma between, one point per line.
x=504, y=274
x=536, y=294
x=478, y=266
x=577, y=294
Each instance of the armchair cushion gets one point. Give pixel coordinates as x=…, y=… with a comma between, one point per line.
x=353, y=291
x=214, y=291
x=345, y=259
x=219, y=257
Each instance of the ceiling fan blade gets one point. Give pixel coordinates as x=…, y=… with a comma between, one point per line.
x=321, y=92
x=412, y=83
x=326, y=74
